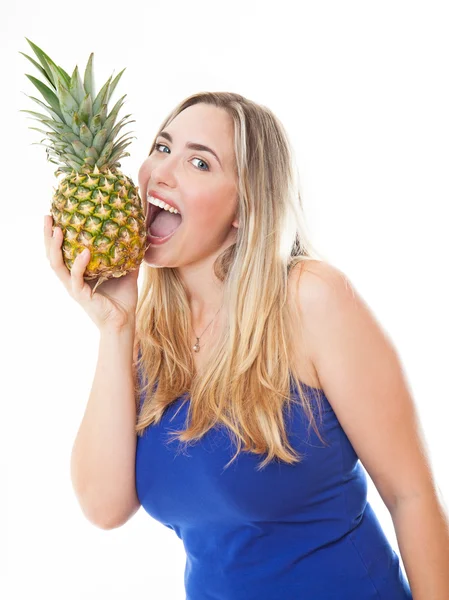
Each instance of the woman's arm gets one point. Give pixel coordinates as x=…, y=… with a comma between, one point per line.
x=422, y=531
x=361, y=375
x=103, y=455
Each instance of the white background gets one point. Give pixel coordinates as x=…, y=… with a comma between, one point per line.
x=362, y=88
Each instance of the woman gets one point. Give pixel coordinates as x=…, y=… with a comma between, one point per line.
x=257, y=381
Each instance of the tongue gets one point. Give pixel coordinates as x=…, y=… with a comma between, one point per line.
x=165, y=223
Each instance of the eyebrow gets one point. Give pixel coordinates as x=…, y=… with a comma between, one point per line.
x=192, y=146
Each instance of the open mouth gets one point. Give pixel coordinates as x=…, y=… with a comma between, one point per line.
x=151, y=214
x=161, y=223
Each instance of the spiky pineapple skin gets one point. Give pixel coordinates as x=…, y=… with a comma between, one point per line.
x=101, y=211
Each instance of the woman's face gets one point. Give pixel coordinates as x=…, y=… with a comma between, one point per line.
x=202, y=186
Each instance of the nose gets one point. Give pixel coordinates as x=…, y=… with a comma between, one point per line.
x=163, y=171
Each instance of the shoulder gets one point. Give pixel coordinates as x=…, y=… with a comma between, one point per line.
x=323, y=295
x=347, y=344
x=364, y=380
x=315, y=283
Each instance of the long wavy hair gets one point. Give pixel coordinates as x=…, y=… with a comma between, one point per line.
x=245, y=384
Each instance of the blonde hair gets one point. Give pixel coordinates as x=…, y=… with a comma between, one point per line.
x=246, y=382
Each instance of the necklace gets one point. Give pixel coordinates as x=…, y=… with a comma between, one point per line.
x=196, y=347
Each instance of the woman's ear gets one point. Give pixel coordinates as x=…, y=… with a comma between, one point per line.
x=235, y=222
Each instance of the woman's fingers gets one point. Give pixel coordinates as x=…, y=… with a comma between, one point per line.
x=48, y=222
x=100, y=307
x=80, y=289
x=73, y=280
x=53, y=245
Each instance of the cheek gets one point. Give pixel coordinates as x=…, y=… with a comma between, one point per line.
x=142, y=179
x=211, y=223
x=145, y=170
x=212, y=212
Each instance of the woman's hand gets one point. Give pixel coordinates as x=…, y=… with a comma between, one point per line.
x=113, y=305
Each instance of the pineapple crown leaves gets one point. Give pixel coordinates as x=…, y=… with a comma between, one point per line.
x=83, y=132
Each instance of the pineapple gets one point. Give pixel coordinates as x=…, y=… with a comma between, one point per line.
x=95, y=205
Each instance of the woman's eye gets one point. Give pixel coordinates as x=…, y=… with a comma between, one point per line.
x=204, y=162
x=200, y=159
x=156, y=146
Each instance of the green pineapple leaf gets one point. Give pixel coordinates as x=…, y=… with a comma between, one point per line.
x=68, y=104
x=72, y=157
x=40, y=130
x=122, y=138
x=103, y=113
x=59, y=147
x=85, y=109
x=114, y=83
x=53, y=137
x=68, y=136
x=102, y=97
x=75, y=165
x=56, y=75
x=62, y=74
x=39, y=116
x=82, y=132
x=85, y=135
x=76, y=88
x=89, y=77
x=43, y=60
x=49, y=65
x=92, y=153
x=107, y=149
x=54, y=115
x=76, y=124
x=120, y=125
x=102, y=161
x=100, y=139
x=109, y=123
x=37, y=65
x=122, y=146
x=118, y=148
x=79, y=148
x=114, y=157
x=57, y=127
x=49, y=96
x=95, y=124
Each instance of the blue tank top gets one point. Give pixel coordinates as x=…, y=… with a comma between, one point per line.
x=287, y=532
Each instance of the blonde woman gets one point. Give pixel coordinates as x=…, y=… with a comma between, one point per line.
x=239, y=393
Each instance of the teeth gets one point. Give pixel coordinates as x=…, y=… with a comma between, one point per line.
x=161, y=204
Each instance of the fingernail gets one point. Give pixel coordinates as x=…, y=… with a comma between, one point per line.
x=85, y=252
